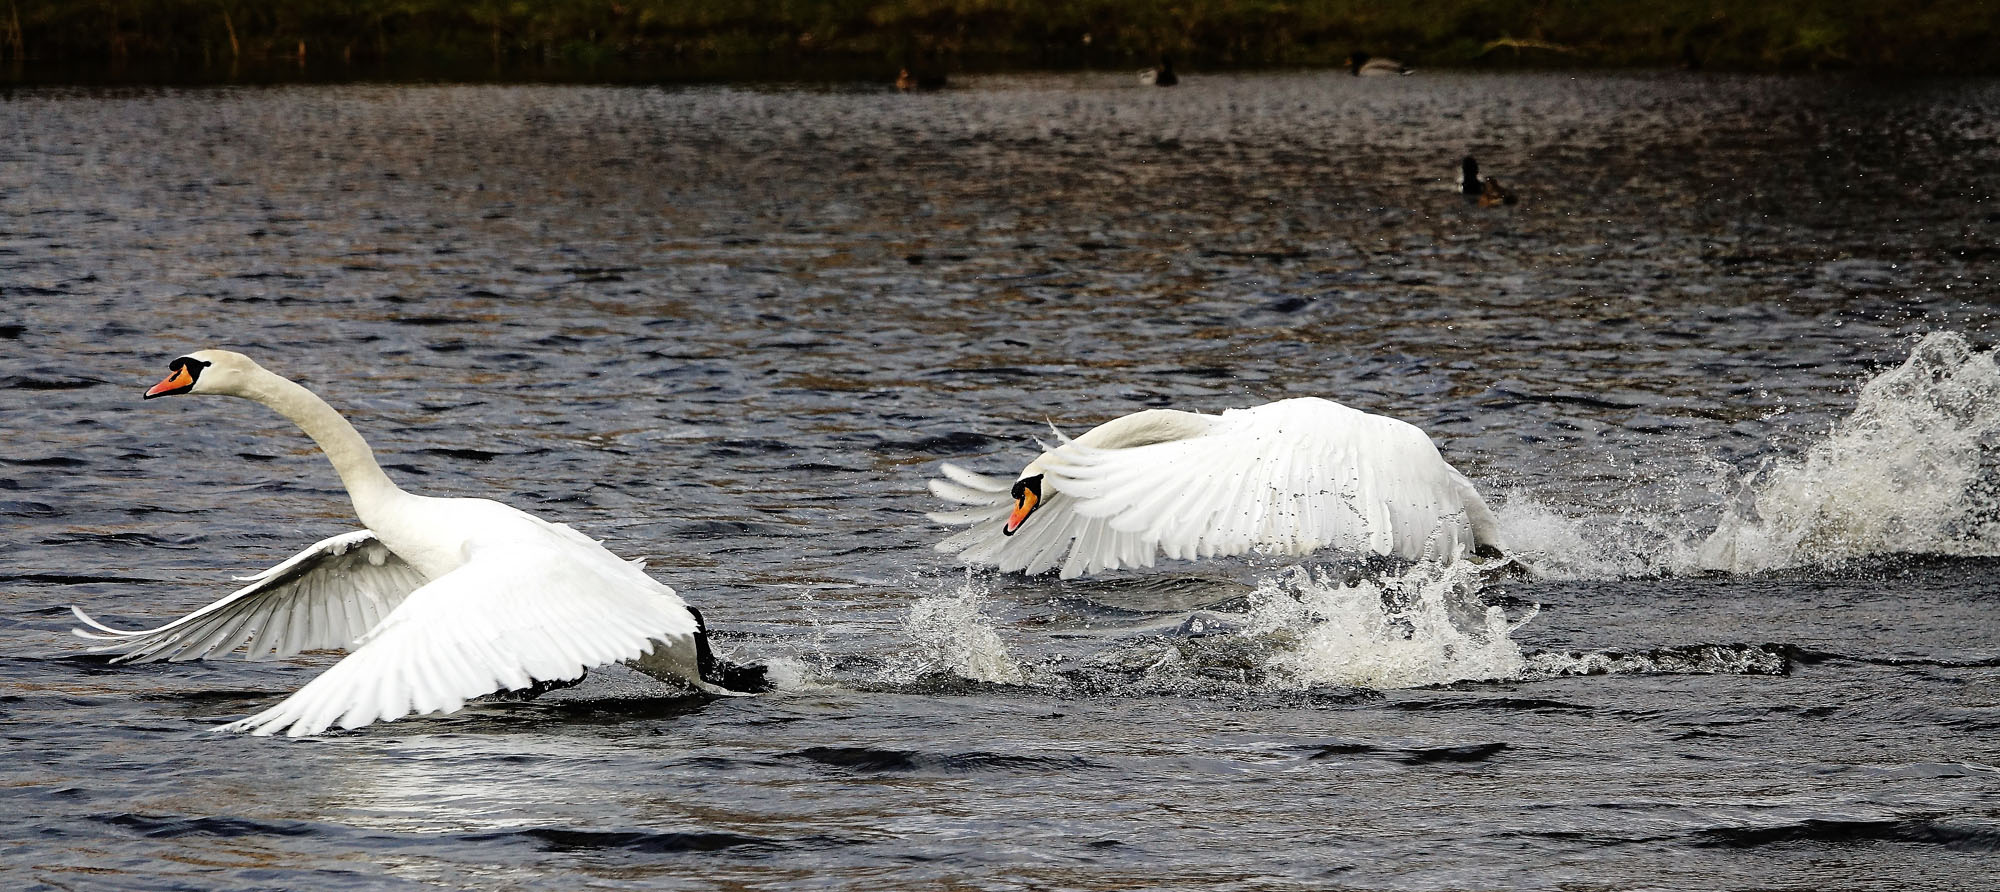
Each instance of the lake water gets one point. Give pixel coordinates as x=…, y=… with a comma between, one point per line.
x=734, y=330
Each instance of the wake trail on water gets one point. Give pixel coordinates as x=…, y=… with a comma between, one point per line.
x=1913, y=469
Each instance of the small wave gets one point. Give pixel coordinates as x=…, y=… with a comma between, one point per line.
x=1474, y=752
x=1931, y=831
x=552, y=839
x=23, y=382
x=873, y=759
x=177, y=826
x=1498, y=704
x=53, y=461
x=76, y=579
x=1424, y=755
x=125, y=539
x=558, y=839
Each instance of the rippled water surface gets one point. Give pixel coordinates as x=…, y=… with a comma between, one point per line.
x=734, y=331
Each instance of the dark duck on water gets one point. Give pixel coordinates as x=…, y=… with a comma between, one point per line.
x=1487, y=193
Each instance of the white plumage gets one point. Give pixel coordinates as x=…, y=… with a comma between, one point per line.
x=439, y=600
x=321, y=599
x=1290, y=477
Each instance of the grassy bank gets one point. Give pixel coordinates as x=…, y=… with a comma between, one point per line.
x=191, y=36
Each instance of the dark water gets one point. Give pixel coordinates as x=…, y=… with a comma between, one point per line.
x=733, y=330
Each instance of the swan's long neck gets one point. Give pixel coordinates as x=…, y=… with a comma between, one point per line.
x=367, y=486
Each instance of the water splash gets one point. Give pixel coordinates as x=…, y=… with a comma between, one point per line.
x=1911, y=470
x=949, y=634
x=1632, y=542
x=1424, y=626
x=1914, y=469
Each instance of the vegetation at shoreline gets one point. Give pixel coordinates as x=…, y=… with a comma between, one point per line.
x=190, y=36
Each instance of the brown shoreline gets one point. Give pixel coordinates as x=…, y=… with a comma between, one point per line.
x=49, y=40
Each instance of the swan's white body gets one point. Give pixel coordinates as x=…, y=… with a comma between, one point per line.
x=439, y=600
x=1290, y=477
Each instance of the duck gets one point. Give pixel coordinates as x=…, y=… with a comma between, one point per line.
x=906, y=81
x=1161, y=76
x=1487, y=192
x=1363, y=65
x=1290, y=477
x=436, y=600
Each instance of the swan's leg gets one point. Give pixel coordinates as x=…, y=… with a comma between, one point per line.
x=751, y=679
x=691, y=663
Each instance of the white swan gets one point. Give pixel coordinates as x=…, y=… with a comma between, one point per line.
x=441, y=600
x=1289, y=477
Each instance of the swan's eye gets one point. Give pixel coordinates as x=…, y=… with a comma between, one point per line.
x=1028, y=485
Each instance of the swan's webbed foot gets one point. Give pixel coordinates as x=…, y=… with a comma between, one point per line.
x=751, y=679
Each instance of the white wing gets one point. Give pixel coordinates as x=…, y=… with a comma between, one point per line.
x=1291, y=477
x=323, y=598
x=515, y=613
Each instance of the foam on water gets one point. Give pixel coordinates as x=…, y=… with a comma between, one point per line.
x=1912, y=470
x=1423, y=626
x=948, y=633
x=1698, y=659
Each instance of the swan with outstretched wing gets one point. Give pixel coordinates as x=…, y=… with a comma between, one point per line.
x=437, y=600
x=1291, y=477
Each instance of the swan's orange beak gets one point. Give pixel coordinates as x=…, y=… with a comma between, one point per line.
x=177, y=381
x=1022, y=508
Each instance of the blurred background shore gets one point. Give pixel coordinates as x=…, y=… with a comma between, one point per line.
x=199, y=40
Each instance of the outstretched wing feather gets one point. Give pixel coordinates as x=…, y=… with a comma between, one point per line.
x=509, y=616
x=318, y=599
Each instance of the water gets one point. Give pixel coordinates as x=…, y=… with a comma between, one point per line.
x=733, y=330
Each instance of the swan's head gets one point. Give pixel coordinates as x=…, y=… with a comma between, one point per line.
x=1027, y=497
x=217, y=372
